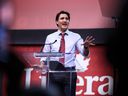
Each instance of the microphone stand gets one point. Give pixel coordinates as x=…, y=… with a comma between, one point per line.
x=48, y=60
x=48, y=63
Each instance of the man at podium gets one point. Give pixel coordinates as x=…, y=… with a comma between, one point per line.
x=67, y=42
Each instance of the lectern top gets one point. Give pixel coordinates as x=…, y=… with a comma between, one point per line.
x=48, y=54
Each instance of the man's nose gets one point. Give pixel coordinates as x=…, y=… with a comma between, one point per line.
x=65, y=19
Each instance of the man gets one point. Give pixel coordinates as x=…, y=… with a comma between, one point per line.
x=66, y=81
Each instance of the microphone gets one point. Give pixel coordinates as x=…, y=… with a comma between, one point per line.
x=51, y=43
x=47, y=44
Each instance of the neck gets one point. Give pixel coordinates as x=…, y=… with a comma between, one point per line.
x=62, y=30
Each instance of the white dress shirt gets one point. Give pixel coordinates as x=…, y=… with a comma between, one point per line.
x=73, y=42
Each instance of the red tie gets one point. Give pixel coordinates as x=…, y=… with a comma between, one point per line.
x=62, y=48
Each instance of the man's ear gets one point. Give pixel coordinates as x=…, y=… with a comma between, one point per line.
x=57, y=23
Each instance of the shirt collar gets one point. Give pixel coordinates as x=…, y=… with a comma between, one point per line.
x=66, y=32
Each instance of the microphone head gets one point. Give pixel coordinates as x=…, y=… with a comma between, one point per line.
x=55, y=40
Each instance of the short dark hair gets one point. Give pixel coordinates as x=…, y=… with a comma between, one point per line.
x=62, y=12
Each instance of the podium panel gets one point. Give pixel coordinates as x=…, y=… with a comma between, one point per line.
x=51, y=67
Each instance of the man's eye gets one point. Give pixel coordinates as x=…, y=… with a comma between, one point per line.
x=61, y=18
x=67, y=18
x=64, y=18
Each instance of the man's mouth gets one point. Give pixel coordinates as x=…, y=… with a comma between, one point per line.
x=64, y=24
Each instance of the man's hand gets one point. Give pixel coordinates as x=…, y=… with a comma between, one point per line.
x=39, y=66
x=88, y=41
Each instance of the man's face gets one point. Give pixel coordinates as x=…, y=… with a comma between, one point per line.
x=63, y=22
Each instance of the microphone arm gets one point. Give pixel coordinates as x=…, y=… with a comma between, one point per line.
x=47, y=44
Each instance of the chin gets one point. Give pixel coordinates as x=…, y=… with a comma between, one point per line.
x=65, y=28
